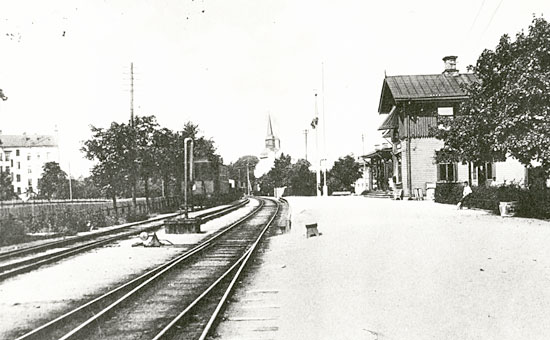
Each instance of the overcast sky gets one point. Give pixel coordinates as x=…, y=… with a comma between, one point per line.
x=226, y=64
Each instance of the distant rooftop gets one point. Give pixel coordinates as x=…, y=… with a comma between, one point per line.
x=25, y=141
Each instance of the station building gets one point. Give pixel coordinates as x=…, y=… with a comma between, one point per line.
x=23, y=156
x=413, y=104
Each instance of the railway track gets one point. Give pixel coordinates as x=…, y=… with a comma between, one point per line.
x=23, y=260
x=179, y=299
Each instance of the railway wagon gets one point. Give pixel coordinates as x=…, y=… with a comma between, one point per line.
x=210, y=179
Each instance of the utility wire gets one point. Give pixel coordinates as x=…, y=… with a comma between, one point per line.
x=492, y=17
x=477, y=16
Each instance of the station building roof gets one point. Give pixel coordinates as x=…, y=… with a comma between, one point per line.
x=431, y=87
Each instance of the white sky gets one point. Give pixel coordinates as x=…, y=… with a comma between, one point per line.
x=226, y=68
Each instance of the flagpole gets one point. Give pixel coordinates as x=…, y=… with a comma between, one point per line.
x=325, y=188
x=317, y=158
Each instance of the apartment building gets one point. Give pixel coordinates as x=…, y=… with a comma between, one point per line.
x=23, y=156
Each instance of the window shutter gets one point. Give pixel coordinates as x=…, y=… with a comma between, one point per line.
x=455, y=172
x=493, y=171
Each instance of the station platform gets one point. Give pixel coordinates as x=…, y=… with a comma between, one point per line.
x=394, y=270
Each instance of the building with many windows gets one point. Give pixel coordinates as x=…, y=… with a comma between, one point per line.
x=414, y=103
x=23, y=156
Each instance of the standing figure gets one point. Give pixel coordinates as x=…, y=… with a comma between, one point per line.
x=466, y=192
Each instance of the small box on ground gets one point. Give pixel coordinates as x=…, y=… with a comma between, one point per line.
x=183, y=225
x=311, y=230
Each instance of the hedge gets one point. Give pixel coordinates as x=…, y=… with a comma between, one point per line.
x=531, y=202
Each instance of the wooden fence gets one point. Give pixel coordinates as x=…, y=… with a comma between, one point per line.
x=30, y=209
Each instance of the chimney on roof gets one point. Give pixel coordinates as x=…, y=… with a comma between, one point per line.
x=450, y=65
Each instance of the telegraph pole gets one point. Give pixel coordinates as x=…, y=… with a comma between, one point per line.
x=132, y=94
x=132, y=125
x=325, y=188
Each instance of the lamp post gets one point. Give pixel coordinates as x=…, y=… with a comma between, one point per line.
x=185, y=142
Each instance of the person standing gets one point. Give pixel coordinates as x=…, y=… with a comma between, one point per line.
x=466, y=192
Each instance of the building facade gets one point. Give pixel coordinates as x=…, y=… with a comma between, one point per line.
x=414, y=103
x=23, y=156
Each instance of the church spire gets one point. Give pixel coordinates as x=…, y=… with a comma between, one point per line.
x=269, y=127
x=272, y=143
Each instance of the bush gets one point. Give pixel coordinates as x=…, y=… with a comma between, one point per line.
x=534, y=202
x=449, y=193
x=97, y=219
x=11, y=231
x=136, y=217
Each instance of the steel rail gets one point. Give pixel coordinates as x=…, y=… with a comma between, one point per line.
x=229, y=289
x=19, y=267
x=59, y=243
x=138, y=282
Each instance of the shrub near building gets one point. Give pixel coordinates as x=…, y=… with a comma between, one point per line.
x=532, y=202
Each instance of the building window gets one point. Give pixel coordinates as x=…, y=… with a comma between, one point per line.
x=445, y=111
x=29, y=182
x=11, y=163
x=8, y=169
x=29, y=171
x=18, y=178
x=19, y=190
x=7, y=156
x=37, y=156
x=18, y=165
x=17, y=152
x=486, y=171
x=28, y=156
x=447, y=172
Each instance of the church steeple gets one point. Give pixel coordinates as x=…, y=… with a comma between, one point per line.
x=272, y=143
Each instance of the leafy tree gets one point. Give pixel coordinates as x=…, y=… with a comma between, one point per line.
x=238, y=169
x=302, y=181
x=509, y=108
x=146, y=159
x=53, y=182
x=165, y=147
x=84, y=187
x=109, y=147
x=345, y=171
x=278, y=176
x=6, y=187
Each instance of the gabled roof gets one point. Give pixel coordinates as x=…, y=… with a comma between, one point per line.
x=431, y=87
x=11, y=141
x=391, y=121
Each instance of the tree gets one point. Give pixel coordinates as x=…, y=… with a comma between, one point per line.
x=84, y=187
x=53, y=182
x=509, y=108
x=343, y=174
x=278, y=176
x=302, y=181
x=238, y=170
x=6, y=187
x=115, y=161
x=146, y=160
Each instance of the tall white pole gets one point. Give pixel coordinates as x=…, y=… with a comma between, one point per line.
x=70, y=184
x=248, y=186
x=317, y=158
x=185, y=141
x=364, y=163
x=325, y=188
